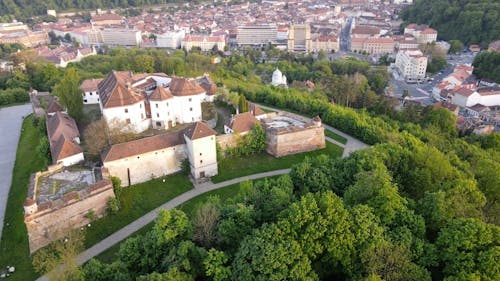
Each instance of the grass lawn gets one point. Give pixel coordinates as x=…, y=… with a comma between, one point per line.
x=234, y=167
x=336, y=137
x=14, y=249
x=136, y=201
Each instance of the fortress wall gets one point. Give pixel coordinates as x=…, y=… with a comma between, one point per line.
x=288, y=142
x=53, y=220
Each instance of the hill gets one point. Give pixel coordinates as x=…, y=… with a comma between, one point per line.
x=474, y=21
x=27, y=8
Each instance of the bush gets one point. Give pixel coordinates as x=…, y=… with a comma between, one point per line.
x=43, y=147
x=117, y=186
x=113, y=205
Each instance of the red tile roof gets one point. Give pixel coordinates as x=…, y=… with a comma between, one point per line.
x=115, y=90
x=199, y=130
x=242, y=122
x=90, y=85
x=141, y=146
x=62, y=131
x=184, y=87
x=160, y=94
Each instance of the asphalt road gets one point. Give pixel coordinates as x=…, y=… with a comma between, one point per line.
x=11, y=120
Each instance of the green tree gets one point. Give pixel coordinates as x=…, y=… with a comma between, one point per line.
x=243, y=104
x=269, y=254
x=375, y=189
x=470, y=246
x=455, y=46
x=69, y=93
x=216, y=265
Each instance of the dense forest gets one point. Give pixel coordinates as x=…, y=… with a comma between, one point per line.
x=487, y=66
x=420, y=204
x=26, y=8
x=470, y=21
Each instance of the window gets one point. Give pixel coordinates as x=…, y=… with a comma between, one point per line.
x=126, y=110
x=158, y=124
x=127, y=120
x=156, y=105
x=158, y=115
x=190, y=109
x=201, y=161
x=97, y=99
x=167, y=103
x=84, y=100
x=90, y=93
x=200, y=153
x=190, y=99
x=142, y=116
x=168, y=113
x=140, y=105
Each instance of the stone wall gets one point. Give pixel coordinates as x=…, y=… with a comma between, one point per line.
x=226, y=140
x=288, y=142
x=51, y=220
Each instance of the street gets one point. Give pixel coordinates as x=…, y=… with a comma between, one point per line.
x=422, y=92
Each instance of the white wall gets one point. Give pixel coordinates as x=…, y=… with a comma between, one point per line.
x=162, y=111
x=136, y=114
x=91, y=97
x=188, y=108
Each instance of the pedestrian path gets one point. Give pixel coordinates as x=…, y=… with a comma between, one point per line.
x=351, y=145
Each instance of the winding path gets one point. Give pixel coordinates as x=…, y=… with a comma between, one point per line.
x=199, y=189
x=11, y=121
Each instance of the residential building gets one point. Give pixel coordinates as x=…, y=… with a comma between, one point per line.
x=205, y=43
x=240, y=123
x=363, y=31
x=141, y=160
x=121, y=37
x=256, y=34
x=465, y=97
x=170, y=39
x=27, y=38
x=299, y=38
x=423, y=33
x=325, y=43
x=107, y=20
x=373, y=45
x=411, y=65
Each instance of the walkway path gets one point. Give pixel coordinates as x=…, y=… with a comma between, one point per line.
x=352, y=144
x=136, y=225
x=11, y=121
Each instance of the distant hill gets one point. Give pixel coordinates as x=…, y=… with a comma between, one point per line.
x=27, y=8
x=470, y=21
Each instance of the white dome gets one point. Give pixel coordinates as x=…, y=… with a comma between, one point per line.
x=278, y=78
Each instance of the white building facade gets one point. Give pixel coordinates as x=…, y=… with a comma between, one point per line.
x=412, y=65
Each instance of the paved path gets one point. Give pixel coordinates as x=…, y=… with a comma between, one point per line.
x=352, y=144
x=11, y=120
x=136, y=225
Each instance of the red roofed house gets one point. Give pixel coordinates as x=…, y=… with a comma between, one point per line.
x=466, y=97
x=64, y=139
x=141, y=160
x=240, y=123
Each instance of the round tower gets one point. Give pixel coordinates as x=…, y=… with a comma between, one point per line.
x=30, y=206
